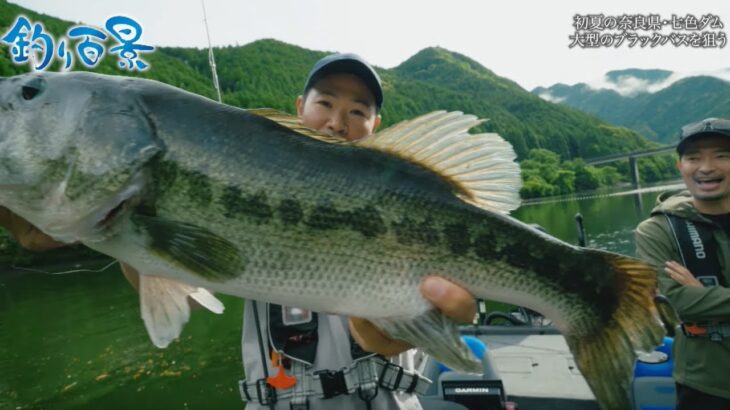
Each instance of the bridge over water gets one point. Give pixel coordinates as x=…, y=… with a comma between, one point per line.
x=633, y=159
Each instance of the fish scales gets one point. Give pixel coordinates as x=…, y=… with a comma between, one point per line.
x=198, y=195
x=473, y=243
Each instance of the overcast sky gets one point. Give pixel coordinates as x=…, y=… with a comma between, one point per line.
x=526, y=41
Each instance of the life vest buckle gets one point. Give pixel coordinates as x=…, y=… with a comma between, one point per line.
x=715, y=332
x=268, y=396
x=333, y=382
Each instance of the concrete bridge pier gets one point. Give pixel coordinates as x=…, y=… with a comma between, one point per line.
x=634, y=172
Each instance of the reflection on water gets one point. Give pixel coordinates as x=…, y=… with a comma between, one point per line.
x=609, y=218
x=76, y=340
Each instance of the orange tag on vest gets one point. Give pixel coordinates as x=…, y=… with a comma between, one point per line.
x=281, y=380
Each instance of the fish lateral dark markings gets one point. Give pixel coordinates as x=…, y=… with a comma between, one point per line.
x=457, y=236
x=165, y=174
x=408, y=231
x=237, y=204
x=326, y=217
x=230, y=199
x=199, y=188
x=256, y=206
x=290, y=211
x=368, y=221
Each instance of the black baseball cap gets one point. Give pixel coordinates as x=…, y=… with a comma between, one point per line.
x=350, y=64
x=708, y=126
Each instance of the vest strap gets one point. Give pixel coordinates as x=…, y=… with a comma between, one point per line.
x=325, y=384
x=697, y=248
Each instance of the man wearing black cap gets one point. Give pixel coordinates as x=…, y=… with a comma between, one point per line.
x=687, y=237
x=324, y=368
x=342, y=97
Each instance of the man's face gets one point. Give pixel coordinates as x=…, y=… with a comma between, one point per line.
x=339, y=105
x=705, y=168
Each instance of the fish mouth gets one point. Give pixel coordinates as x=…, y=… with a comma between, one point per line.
x=103, y=222
x=98, y=224
x=114, y=214
x=116, y=209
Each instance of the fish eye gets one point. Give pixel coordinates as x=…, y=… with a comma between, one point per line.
x=32, y=88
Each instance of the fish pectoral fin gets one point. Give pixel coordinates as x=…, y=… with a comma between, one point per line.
x=295, y=124
x=481, y=167
x=192, y=248
x=207, y=300
x=435, y=334
x=165, y=308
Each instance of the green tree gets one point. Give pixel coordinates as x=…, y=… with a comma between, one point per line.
x=535, y=186
x=565, y=181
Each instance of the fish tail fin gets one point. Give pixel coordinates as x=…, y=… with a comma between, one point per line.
x=606, y=357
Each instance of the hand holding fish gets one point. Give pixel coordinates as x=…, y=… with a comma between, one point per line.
x=680, y=274
x=454, y=301
x=27, y=235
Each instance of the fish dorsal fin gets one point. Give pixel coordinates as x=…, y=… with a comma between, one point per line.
x=481, y=166
x=294, y=124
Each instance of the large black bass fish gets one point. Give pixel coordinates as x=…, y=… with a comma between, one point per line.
x=198, y=195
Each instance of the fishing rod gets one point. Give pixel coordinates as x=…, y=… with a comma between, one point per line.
x=211, y=57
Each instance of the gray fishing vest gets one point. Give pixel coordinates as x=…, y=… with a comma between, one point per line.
x=332, y=351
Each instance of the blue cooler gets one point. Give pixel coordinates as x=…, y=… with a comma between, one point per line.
x=477, y=347
x=653, y=386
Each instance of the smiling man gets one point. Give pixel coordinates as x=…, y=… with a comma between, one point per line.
x=341, y=105
x=687, y=237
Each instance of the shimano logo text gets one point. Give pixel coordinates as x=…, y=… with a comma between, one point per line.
x=696, y=241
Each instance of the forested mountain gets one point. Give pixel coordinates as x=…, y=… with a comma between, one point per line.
x=644, y=105
x=550, y=139
x=269, y=73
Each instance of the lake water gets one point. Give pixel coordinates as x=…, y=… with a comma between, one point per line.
x=76, y=340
